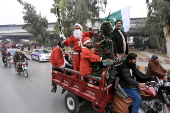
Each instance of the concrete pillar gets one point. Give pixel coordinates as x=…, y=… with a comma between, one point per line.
x=167, y=36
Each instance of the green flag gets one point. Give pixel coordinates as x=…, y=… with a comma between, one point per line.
x=123, y=15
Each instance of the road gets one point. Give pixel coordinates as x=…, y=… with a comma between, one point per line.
x=33, y=94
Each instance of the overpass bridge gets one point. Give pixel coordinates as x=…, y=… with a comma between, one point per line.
x=16, y=31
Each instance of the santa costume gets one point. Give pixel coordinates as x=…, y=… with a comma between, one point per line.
x=87, y=57
x=57, y=57
x=77, y=46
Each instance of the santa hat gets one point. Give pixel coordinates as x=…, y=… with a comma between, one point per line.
x=86, y=40
x=77, y=24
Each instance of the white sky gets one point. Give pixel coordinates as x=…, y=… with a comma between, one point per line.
x=11, y=10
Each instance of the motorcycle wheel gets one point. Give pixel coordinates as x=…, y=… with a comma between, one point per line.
x=26, y=73
x=9, y=64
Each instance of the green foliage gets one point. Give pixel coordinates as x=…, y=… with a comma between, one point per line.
x=105, y=49
x=76, y=11
x=137, y=42
x=158, y=18
x=35, y=24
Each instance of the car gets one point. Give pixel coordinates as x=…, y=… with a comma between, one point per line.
x=40, y=55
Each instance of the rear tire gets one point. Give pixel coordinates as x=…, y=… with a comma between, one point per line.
x=5, y=64
x=9, y=64
x=72, y=102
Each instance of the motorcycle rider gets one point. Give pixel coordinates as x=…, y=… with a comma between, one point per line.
x=155, y=68
x=131, y=79
x=19, y=56
x=5, y=54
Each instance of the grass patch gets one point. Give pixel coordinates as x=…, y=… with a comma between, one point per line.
x=138, y=53
x=160, y=54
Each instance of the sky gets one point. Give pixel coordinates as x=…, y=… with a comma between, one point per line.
x=11, y=10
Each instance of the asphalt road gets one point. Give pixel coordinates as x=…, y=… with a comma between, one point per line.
x=33, y=94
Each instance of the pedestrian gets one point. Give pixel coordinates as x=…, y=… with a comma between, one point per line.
x=120, y=41
x=76, y=40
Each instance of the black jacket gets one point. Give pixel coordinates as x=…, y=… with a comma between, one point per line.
x=118, y=42
x=130, y=76
x=18, y=57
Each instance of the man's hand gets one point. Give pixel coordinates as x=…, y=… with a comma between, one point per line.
x=88, y=24
x=110, y=60
x=119, y=58
x=142, y=85
x=62, y=35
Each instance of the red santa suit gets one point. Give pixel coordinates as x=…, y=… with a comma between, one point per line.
x=57, y=57
x=77, y=45
x=87, y=57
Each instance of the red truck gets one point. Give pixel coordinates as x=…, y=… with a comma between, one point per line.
x=100, y=95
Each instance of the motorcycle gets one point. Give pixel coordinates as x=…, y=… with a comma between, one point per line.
x=7, y=62
x=22, y=66
x=154, y=98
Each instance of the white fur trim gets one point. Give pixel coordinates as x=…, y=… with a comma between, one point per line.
x=100, y=59
x=77, y=24
x=87, y=41
x=63, y=66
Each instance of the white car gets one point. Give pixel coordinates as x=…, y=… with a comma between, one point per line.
x=41, y=55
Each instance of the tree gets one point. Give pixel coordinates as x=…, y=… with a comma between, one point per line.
x=76, y=11
x=159, y=21
x=35, y=24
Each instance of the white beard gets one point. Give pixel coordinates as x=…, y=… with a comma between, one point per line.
x=77, y=34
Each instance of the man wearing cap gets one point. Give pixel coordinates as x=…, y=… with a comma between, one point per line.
x=19, y=56
x=87, y=57
x=76, y=39
x=5, y=54
x=155, y=68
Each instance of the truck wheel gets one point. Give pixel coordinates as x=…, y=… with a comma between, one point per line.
x=72, y=102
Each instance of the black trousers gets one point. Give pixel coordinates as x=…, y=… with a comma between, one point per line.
x=66, y=66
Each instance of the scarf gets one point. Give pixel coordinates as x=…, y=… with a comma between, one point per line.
x=124, y=42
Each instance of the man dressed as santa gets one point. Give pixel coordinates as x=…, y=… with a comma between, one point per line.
x=87, y=57
x=76, y=39
x=57, y=57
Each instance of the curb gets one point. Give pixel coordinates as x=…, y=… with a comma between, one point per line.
x=164, y=61
x=144, y=68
